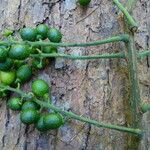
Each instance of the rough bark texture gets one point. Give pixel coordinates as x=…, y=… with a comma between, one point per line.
x=97, y=89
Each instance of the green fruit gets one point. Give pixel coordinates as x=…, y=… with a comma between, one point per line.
x=18, y=63
x=24, y=73
x=19, y=52
x=84, y=2
x=7, y=78
x=14, y=103
x=42, y=30
x=28, y=34
x=53, y=121
x=49, y=49
x=6, y=65
x=3, y=54
x=40, y=125
x=29, y=116
x=38, y=64
x=40, y=88
x=30, y=105
x=54, y=35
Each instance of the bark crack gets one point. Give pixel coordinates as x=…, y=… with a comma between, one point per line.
x=19, y=10
x=87, y=137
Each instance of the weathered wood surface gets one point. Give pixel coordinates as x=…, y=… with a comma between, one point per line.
x=97, y=89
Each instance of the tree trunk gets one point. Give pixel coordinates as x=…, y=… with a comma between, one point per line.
x=98, y=89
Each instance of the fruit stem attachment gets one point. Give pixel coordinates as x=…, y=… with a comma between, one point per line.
x=131, y=22
x=75, y=116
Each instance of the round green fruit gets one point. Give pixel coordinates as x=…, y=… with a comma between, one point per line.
x=18, y=63
x=3, y=54
x=28, y=34
x=42, y=30
x=54, y=35
x=53, y=121
x=40, y=88
x=14, y=103
x=6, y=65
x=19, y=52
x=29, y=116
x=40, y=125
x=7, y=78
x=84, y=2
x=30, y=105
x=24, y=73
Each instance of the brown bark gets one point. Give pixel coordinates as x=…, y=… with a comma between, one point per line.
x=97, y=89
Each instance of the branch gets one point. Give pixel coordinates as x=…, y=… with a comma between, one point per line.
x=75, y=116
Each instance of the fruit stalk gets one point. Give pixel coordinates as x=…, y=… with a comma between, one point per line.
x=73, y=115
x=60, y=55
x=144, y=53
x=131, y=22
x=123, y=38
x=104, y=56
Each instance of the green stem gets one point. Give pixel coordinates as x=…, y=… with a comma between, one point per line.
x=87, y=120
x=145, y=108
x=135, y=92
x=123, y=38
x=144, y=53
x=60, y=55
x=132, y=24
x=75, y=116
x=105, y=56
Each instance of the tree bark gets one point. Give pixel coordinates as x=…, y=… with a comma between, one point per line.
x=98, y=89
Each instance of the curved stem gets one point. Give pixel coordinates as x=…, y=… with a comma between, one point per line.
x=75, y=116
x=118, y=38
x=133, y=25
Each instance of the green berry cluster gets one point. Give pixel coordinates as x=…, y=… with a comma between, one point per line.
x=16, y=68
x=31, y=112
